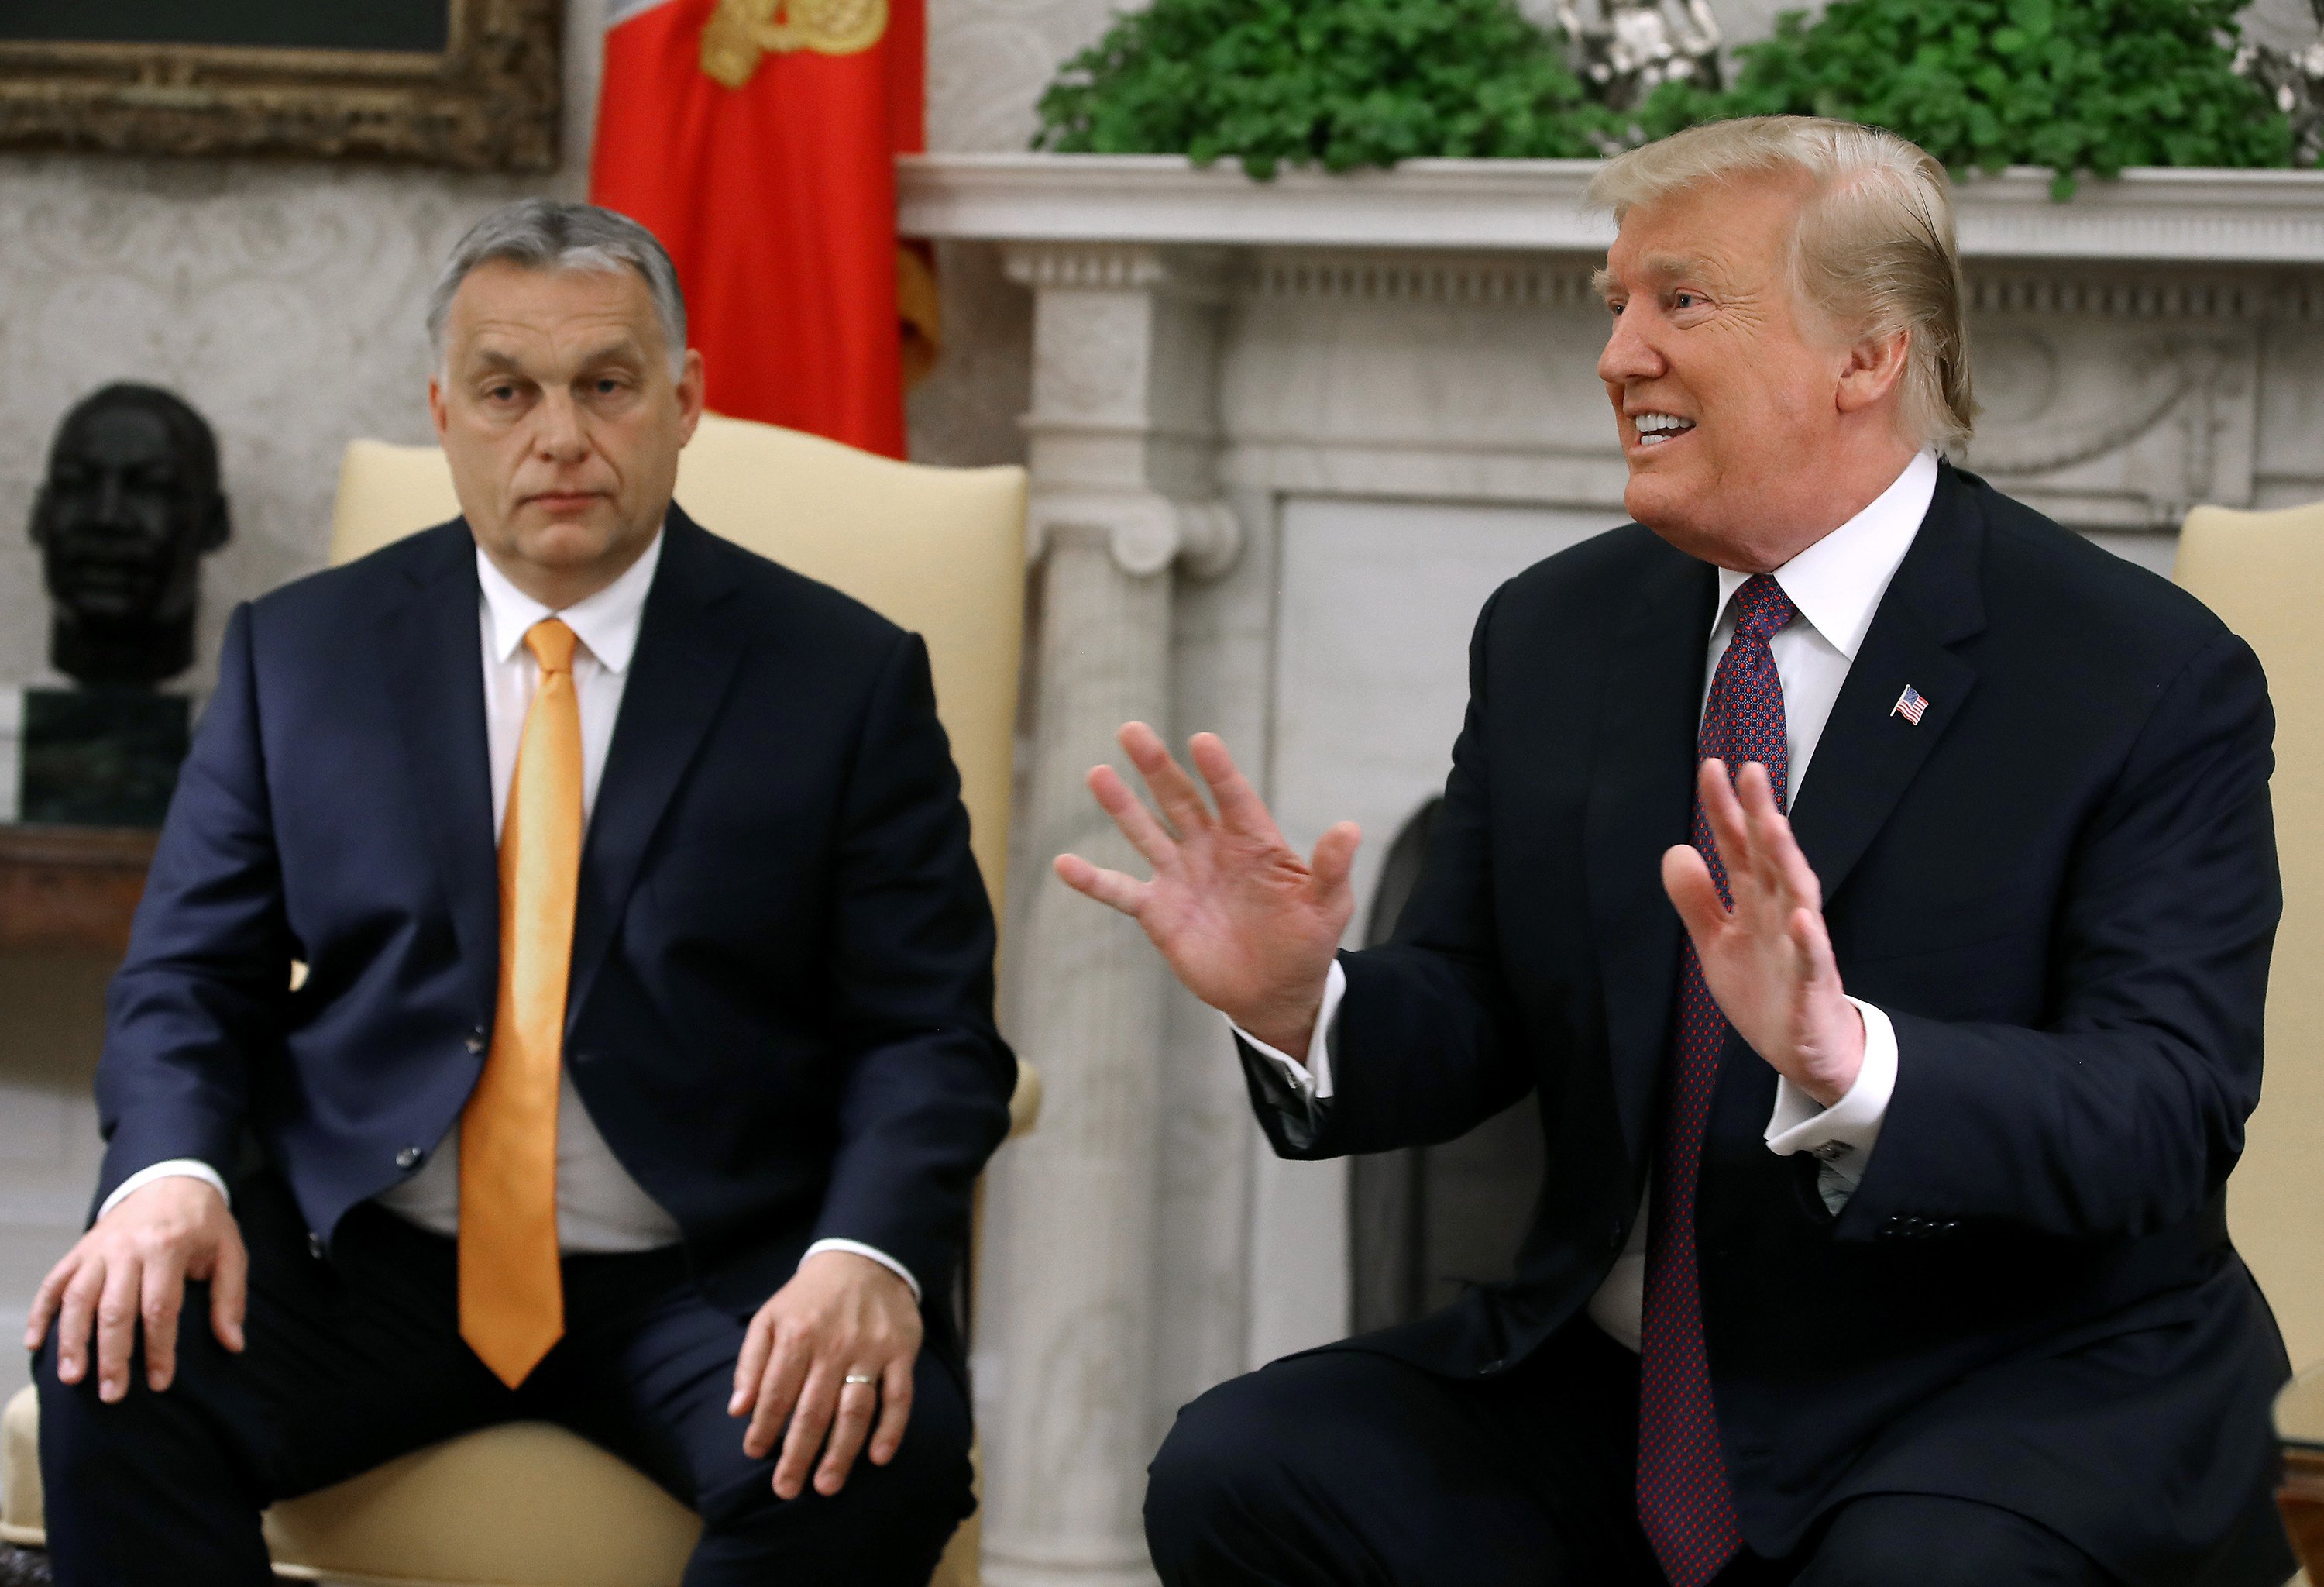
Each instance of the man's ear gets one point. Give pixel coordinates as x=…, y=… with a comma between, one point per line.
x=437, y=413
x=38, y=529
x=1874, y=371
x=691, y=384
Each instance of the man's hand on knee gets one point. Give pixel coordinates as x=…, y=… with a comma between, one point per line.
x=132, y=1266
x=833, y=1348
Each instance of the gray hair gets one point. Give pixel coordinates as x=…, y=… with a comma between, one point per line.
x=1874, y=249
x=552, y=234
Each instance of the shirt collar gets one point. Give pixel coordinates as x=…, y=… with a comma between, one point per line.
x=1836, y=582
x=606, y=623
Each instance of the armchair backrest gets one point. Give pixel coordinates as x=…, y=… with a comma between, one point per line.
x=2263, y=574
x=940, y=550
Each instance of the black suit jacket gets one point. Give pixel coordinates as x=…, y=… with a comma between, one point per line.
x=2061, y=886
x=779, y=1010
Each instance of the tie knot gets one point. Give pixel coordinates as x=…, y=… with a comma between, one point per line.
x=551, y=644
x=1762, y=608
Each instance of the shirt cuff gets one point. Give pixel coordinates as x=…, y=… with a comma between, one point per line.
x=1840, y=1137
x=170, y=1168
x=857, y=1248
x=1314, y=1077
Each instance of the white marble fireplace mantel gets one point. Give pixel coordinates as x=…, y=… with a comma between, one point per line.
x=1285, y=438
x=2150, y=213
x=2141, y=347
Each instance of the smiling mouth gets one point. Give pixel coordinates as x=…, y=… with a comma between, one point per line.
x=1655, y=429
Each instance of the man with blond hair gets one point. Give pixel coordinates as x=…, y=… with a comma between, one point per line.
x=1877, y=882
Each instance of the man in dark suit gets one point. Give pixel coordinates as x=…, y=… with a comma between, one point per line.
x=648, y=978
x=1882, y=1242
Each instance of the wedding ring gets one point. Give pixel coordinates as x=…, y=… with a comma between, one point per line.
x=859, y=1378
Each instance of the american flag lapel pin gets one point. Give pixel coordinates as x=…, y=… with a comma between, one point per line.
x=1909, y=705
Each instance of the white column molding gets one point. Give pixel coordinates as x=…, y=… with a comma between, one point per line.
x=1123, y=441
x=1146, y=531
x=1123, y=432
x=1069, y=1250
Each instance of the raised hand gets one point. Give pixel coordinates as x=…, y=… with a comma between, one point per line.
x=1245, y=923
x=1768, y=960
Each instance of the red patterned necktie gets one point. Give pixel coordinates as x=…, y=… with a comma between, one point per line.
x=1685, y=1501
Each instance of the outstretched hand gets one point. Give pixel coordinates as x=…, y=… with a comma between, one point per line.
x=1768, y=960
x=1244, y=922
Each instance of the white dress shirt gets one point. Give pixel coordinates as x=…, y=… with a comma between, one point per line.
x=1836, y=585
x=600, y=1208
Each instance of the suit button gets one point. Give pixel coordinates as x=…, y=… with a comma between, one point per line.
x=314, y=1245
x=409, y=1158
x=1489, y=1368
x=1614, y=1235
x=476, y=1040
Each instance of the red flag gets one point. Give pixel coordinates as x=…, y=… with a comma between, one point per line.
x=757, y=139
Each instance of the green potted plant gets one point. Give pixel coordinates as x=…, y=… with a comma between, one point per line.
x=1335, y=83
x=2074, y=84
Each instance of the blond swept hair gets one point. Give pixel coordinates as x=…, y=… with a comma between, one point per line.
x=1874, y=249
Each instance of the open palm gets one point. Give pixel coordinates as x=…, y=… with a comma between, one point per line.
x=1767, y=961
x=1244, y=922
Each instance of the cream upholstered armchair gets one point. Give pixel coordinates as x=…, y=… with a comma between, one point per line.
x=938, y=550
x=2263, y=574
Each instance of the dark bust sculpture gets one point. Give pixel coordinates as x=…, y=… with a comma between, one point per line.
x=130, y=506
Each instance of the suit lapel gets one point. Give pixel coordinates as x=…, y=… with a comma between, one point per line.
x=689, y=644
x=1869, y=753
x=435, y=675
x=1640, y=798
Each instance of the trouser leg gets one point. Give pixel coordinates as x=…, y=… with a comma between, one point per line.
x=349, y=1361
x=159, y=1487
x=1345, y=1467
x=646, y=1370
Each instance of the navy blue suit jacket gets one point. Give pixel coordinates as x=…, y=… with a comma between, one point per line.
x=2061, y=886
x=780, y=1004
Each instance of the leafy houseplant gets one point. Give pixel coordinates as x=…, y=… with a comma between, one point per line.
x=2074, y=84
x=1338, y=83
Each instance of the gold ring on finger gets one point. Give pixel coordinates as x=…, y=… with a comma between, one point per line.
x=859, y=1378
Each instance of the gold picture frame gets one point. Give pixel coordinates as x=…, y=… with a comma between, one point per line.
x=490, y=100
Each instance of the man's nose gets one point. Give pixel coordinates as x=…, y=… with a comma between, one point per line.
x=108, y=496
x=558, y=434
x=1628, y=356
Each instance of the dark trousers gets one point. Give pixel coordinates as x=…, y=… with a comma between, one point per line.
x=1352, y=1468
x=355, y=1359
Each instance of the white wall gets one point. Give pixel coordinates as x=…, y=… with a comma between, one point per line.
x=284, y=301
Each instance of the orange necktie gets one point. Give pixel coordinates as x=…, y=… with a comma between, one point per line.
x=512, y=1295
